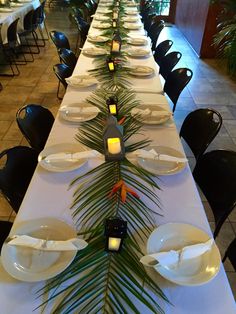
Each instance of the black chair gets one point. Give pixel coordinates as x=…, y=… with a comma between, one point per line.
x=161, y=50
x=5, y=228
x=168, y=62
x=39, y=20
x=231, y=254
x=62, y=71
x=199, y=129
x=154, y=32
x=10, y=48
x=16, y=173
x=176, y=82
x=35, y=123
x=215, y=173
x=68, y=57
x=83, y=28
x=29, y=33
x=60, y=40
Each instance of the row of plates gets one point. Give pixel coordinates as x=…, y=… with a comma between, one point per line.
x=33, y=265
x=155, y=167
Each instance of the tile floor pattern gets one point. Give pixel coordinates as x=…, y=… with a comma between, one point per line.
x=210, y=87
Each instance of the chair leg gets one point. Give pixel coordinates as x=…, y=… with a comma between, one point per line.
x=58, y=90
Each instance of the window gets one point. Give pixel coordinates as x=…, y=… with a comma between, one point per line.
x=162, y=7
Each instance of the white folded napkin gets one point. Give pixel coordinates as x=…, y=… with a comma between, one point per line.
x=152, y=154
x=174, y=258
x=73, y=157
x=142, y=69
x=81, y=80
x=48, y=245
x=79, y=110
x=149, y=112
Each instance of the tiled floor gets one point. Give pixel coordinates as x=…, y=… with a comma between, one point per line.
x=210, y=87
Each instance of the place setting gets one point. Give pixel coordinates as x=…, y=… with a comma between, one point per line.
x=94, y=51
x=78, y=112
x=81, y=81
x=159, y=160
x=138, y=41
x=182, y=254
x=39, y=249
x=151, y=114
x=133, y=26
x=141, y=71
x=65, y=157
x=100, y=17
x=138, y=52
x=97, y=38
x=101, y=25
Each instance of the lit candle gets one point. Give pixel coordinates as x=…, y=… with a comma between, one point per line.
x=114, y=24
x=114, y=244
x=113, y=145
x=115, y=15
x=111, y=66
x=112, y=109
x=115, y=46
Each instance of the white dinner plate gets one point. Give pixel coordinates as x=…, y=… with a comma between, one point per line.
x=132, y=26
x=194, y=272
x=130, y=19
x=16, y=4
x=5, y=10
x=139, y=52
x=161, y=117
x=71, y=114
x=131, y=12
x=107, y=4
x=99, y=17
x=27, y=264
x=141, y=70
x=103, y=11
x=94, y=52
x=101, y=25
x=81, y=81
x=97, y=39
x=137, y=41
x=160, y=167
x=62, y=166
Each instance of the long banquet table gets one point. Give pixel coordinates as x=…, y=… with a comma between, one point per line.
x=6, y=18
x=48, y=196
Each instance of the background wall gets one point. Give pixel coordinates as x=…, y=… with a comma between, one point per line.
x=196, y=19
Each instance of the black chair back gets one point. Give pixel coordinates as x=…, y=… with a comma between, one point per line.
x=154, y=32
x=59, y=39
x=35, y=123
x=5, y=228
x=161, y=50
x=68, y=57
x=231, y=254
x=16, y=173
x=62, y=71
x=12, y=33
x=215, y=173
x=199, y=129
x=168, y=62
x=176, y=82
x=28, y=21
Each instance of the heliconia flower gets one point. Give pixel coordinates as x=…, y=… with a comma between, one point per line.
x=120, y=185
x=121, y=120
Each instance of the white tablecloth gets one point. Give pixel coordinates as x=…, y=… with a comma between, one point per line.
x=48, y=196
x=18, y=12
